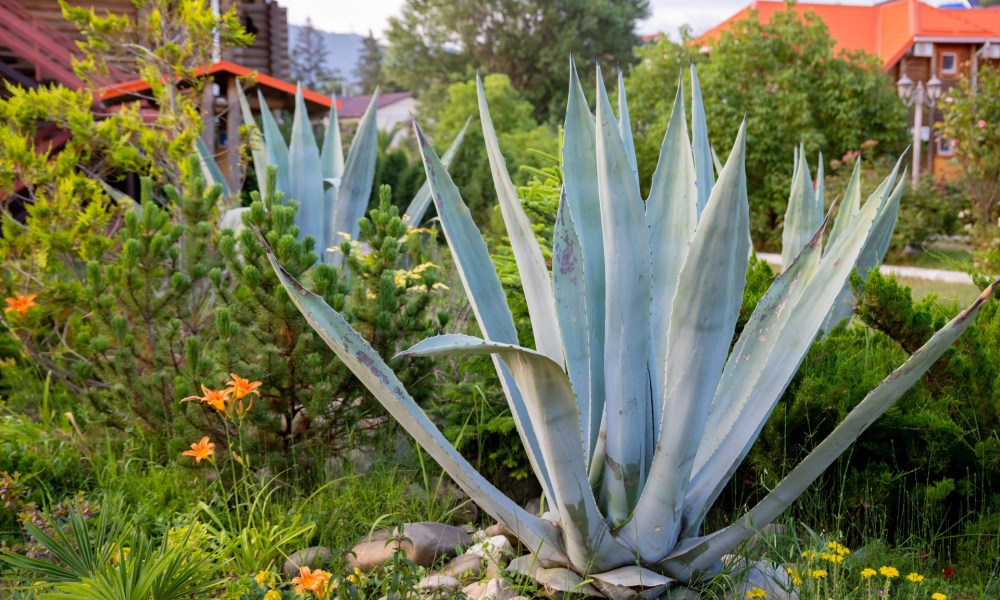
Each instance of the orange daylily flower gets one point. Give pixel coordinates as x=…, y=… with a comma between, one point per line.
x=203, y=449
x=20, y=304
x=313, y=581
x=217, y=399
x=239, y=387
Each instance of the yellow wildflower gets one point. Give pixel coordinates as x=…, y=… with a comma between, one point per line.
x=818, y=573
x=794, y=573
x=756, y=592
x=889, y=572
x=356, y=578
x=915, y=577
x=272, y=595
x=838, y=548
x=938, y=596
x=809, y=555
x=866, y=573
x=264, y=579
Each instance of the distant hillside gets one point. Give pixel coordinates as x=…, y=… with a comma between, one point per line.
x=342, y=50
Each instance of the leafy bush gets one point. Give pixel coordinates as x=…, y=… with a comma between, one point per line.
x=932, y=460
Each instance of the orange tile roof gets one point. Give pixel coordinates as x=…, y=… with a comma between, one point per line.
x=127, y=88
x=887, y=30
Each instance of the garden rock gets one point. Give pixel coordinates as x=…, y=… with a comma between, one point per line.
x=438, y=585
x=498, y=529
x=466, y=566
x=314, y=557
x=475, y=591
x=424, y=543
x=496, y=549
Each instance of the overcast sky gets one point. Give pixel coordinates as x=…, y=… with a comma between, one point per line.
x=358, y=16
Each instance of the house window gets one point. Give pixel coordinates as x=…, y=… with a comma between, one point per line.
x=949, y=63
x=945, y=146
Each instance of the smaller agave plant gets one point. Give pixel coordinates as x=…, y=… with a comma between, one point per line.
x=332, y=192
x=636, y=408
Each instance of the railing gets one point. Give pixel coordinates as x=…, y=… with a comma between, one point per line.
x=38, y=42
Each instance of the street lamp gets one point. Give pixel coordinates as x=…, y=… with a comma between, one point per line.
x=918, y=98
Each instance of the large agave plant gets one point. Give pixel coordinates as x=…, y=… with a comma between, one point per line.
x=635, y=408
x=332, y=192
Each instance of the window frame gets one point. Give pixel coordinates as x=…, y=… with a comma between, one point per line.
x=954, y=64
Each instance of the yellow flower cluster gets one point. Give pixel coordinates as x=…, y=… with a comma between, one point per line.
x=403, y=278
x=888, y=572
x=756, y=592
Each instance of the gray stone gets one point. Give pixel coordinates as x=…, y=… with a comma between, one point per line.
x=498, y=529
x=423, y=543
x=314, y=558
x=534, y=506
x=475, y=591
x=495, y=587
x=438, y=584
x=466, y=566
x=494, y=549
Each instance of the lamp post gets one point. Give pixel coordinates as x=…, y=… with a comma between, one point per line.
x=918, y=97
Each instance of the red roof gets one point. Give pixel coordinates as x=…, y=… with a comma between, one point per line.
x=352, y=107
x=129, y=88
x=887, y=30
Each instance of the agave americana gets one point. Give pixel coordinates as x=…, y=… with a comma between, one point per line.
x=634, y=409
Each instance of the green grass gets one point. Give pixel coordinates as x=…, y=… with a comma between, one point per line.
x=964, y=294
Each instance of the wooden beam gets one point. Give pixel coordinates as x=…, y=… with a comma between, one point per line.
x=16, y=76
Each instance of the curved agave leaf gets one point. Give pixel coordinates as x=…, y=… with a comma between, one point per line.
x=527, y=253
x=482, y=286
x=851, y=205
x=800, y=216
x=702, y=149
x=332, y=153
x=274, y=144
x=258, y=151
x=700, y=555
x=672, y=216
x=368, y=366
x=552, y=408
x=210, y=168
x=820, y=186
x=571, y=313
x=633, y=576
x=414, y=214
x=870, y=258
x=305, y=187
x=579, y=159
x=625, y=127
x=702, y=322
x=757, y=371
x=356, y=184
x=627, y=300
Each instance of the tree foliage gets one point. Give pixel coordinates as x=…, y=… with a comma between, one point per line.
x=309, y=61
x=445, y=41
x=519, y=133
x=785, y=77
x=369, y=69
x=972, y=120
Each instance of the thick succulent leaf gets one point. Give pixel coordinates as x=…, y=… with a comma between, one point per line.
x=820, y=186
x=745, y=380
x=274, y=144
x=553, y=412
x=702, y=321
x=565, y=580
x=701, y=554
x=306, y=187
x=633, y=576
x=851, y=205
x=209, y=168
x=571, y=313
x=414, y=213
x=800, y=216
x=672, y=215
x=356, y=183
x=352, y=349
x=579, y=159
x=258, y=150
x=332, y=154
x=527, y=253
x=627, y=396
x=885, y=197
x=625, y=127
x=482, y=287
x=702, y=149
